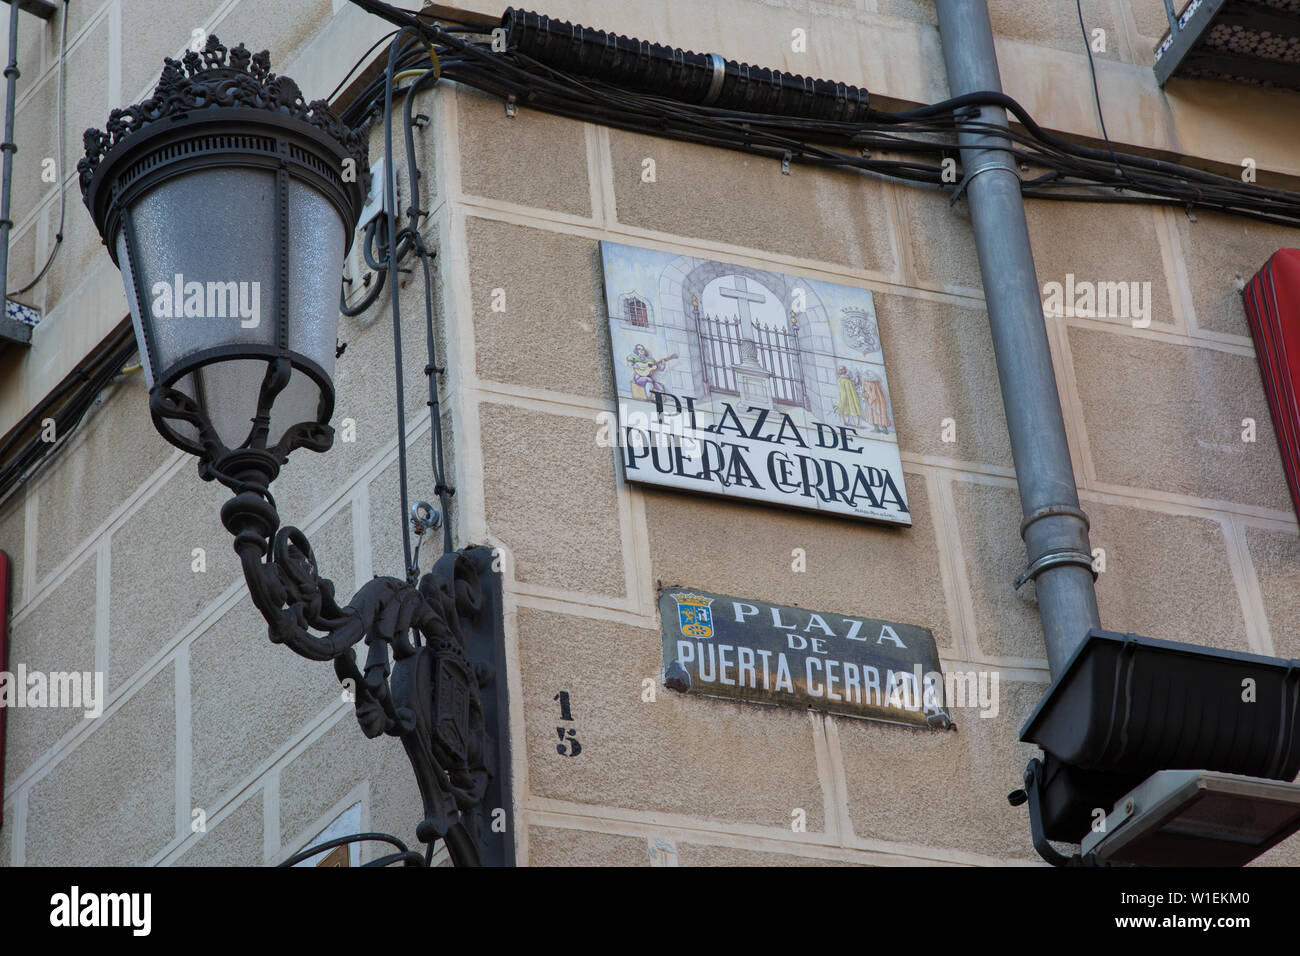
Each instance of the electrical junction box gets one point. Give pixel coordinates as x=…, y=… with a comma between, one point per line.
x=375, y=198
x=355, y=268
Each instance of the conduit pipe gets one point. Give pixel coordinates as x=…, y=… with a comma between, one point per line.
x=8, y=148
x=44, y=9
x=1055, y=529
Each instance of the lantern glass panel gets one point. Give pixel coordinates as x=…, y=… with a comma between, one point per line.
x=228, y=390
x=207, y=262
x=207, y=249
x=316, y=250
x=133, y=302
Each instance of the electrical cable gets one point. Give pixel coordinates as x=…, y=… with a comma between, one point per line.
x=1230, y=197
x=381, y=274
x=374, y=46
x=390, y=204
x=431, y=368
x=1096, y=93
x=368, y=104
x=63, y=192
x=425, y=51
x=77, y=377
x=1167, y=183
x=21, y=465
x=1072, y=172
x=383, y=256
x=1097, y=175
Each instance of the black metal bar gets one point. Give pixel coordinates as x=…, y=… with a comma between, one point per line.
x=1034, y=792
x=1279, y=73
x=282, y=251
x=37, y=8
x=487, y=634
x=20, y=333
x=1185, y=39
x=1171, y=16
x=137, y=282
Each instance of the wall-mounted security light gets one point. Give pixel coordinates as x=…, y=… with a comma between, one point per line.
x=1126, y=711
x=1196, y=818
x=1134, y=705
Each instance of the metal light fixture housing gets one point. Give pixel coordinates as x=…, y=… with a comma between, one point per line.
x=229, y=204
x=1127, y=706
x=1196, y=818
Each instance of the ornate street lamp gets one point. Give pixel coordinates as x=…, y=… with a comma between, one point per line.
x=229, y=205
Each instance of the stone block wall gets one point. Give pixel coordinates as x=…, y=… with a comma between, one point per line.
x=203, y=713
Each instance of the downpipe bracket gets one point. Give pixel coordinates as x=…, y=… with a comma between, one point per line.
x=965, y=180
x=1057, y=556
x=1053, y=559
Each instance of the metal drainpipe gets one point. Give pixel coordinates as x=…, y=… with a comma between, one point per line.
x=1054, y=529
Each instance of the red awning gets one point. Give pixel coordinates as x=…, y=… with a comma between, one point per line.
x=1272, y=301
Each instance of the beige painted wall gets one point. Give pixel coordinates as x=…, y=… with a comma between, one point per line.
x=204, y=713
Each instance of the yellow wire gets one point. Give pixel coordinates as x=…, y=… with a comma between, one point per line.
x=437, y=69
x=130, y=369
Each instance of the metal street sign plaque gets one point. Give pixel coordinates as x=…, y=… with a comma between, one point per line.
x=747, y=649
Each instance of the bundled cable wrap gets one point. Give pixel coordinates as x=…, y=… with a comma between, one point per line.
x=620, y=82
x=704, y=78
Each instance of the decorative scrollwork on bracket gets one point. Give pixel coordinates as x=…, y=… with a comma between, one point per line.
x=417, y=683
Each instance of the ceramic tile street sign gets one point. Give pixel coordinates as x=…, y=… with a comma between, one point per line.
x=770, y=653
x=750, y=384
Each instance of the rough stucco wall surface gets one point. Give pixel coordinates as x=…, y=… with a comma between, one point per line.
x=204, y=713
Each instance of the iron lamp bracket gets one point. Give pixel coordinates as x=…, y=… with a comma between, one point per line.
x=423, y=679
